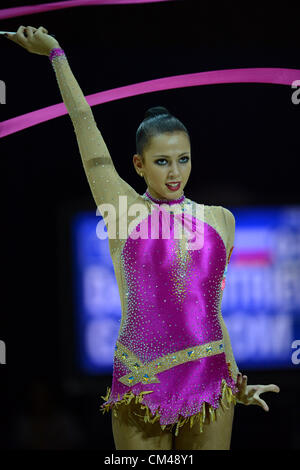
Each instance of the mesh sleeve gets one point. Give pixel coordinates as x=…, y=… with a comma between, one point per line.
x=105, y=183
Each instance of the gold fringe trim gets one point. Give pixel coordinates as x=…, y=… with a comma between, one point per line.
x=227, y=396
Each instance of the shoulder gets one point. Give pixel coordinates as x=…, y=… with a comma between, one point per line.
x=225, y=217
x=230, y=219
x=223, y=211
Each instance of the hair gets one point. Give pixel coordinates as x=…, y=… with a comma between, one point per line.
x=157, y=120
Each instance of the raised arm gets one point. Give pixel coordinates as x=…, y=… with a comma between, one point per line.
x=104, y=181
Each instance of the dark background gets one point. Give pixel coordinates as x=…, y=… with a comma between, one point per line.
x=245, y=150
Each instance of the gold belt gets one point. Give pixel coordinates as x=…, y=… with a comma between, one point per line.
x=146, y=373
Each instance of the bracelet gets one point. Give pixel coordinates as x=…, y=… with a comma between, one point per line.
x=55, y=52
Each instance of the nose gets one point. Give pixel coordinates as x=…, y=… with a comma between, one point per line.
x=174, y=171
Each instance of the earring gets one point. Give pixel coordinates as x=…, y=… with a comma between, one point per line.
x=141, y=174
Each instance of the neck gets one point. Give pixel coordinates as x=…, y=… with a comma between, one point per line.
x=165, y=201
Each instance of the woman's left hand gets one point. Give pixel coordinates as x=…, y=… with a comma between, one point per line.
x=249, y=394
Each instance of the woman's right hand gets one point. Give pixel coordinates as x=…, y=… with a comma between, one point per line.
x=37, y=41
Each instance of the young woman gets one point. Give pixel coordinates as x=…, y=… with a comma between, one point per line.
x=175, y=380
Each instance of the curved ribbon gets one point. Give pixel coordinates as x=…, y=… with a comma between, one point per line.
x=32, y=9
x=270, y=75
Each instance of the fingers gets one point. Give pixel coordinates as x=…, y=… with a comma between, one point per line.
x=20, y=36
x=24, y=32
x=263, y=389
x=16, y=36
x=30, y=31
x=262, y=403
x=272, y=388
x=42, y=30
x=259, y=401
x=242, y=381
x=268, y=388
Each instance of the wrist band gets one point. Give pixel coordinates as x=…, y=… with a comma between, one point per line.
x=55, y=52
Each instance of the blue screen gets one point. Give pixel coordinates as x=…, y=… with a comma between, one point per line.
x=96, y=294
x=261, y=299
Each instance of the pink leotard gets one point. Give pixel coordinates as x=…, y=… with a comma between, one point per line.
x=170, y=353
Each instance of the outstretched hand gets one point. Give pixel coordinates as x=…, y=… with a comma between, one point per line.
x=249, y=394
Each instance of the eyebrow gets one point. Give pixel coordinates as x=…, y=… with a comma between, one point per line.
x=155, y=156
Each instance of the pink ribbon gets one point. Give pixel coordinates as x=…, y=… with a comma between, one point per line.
x=32, y=9
x=270, y=75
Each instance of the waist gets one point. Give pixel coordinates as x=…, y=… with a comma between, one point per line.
x=145, y=372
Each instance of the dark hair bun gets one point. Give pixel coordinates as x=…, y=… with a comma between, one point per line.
x=156, y=111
